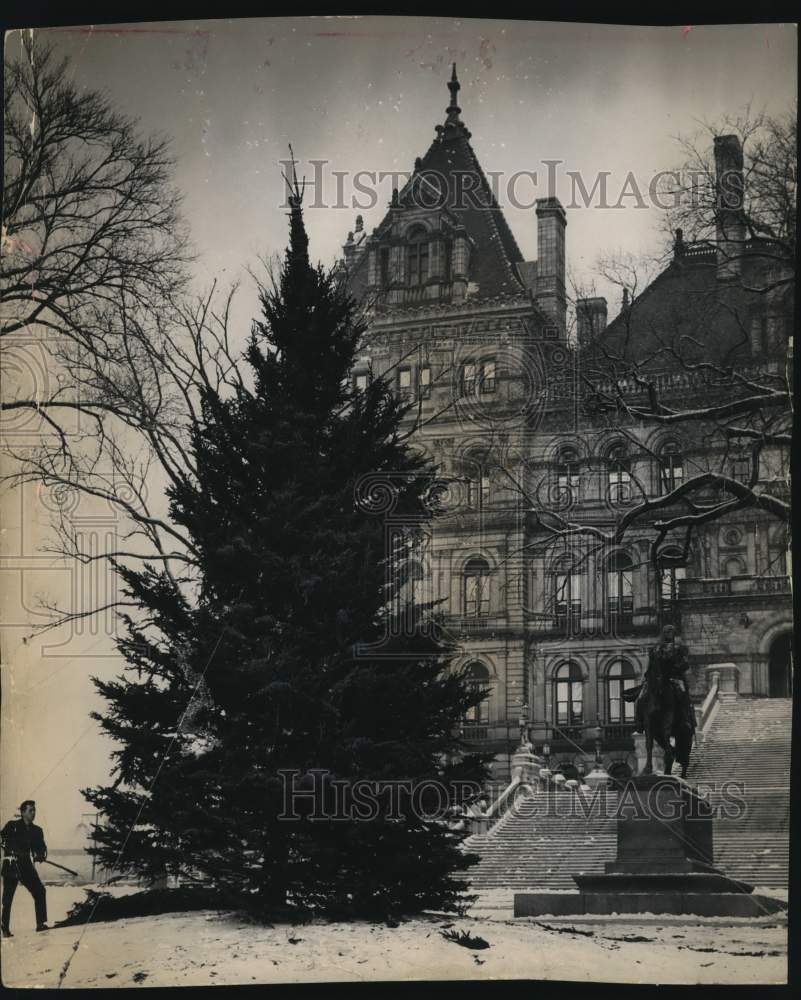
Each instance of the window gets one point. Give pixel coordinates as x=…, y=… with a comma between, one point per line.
x=568, y=695
x=405, y=383
x=551, y=332
x=619, y=678
x=477, y=677
x=567, y=597
x=360, y=380
x=741, y=469
x=619, y=475
x=567, y=477
x=479, y=489
x=619, y=588
x=671, y=575
x=488, y=376
x=476, y=588
x=417, y=257
x=469, y=378
x=671, y=468
x=734, y=567
x=424, y=381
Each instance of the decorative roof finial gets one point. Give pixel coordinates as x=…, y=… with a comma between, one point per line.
x=454, y=86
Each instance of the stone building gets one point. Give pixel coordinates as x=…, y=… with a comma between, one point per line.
x=553, y=619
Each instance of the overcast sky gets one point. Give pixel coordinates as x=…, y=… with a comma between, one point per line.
x=365, y=94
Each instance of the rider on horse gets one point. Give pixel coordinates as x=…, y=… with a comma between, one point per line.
x=673, y=659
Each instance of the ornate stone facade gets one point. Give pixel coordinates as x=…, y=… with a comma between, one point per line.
x=554, y=622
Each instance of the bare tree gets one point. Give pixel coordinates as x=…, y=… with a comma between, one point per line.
x=90, y=221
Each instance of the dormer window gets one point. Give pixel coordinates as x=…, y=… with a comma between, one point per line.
x=417, y=257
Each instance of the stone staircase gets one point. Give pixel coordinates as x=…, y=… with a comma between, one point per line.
x=745, y=763
x=547, y=838
x=544, y=840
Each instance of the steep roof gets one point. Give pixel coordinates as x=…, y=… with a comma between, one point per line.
x=451, y=166
x=686, y=310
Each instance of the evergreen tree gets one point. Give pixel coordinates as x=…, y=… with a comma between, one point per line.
x=288, y=628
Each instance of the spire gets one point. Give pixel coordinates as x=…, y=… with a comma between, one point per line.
x=453, y=123
x=454, y=87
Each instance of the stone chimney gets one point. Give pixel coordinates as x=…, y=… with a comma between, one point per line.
x=550, y=286
x=590, y=319
x=729, y=193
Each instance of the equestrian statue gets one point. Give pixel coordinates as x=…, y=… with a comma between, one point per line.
x=663, y=710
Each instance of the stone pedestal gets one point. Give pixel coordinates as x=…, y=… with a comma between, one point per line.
x=525, y=765
x=663, y=864
x=597, y=778
x=728, y=679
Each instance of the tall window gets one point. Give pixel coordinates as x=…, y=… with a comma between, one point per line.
x=619, y=588
x=479, y=488
x=741, y=468
x=671, y=575
x=425, y=381
x=477, y=677
x=619, y=474
x=469, y=375
x=417, y=257
x=567, y=477
x=360, y=381
x=567, y=596
x=619, y=678
x=405, y=383
x=671, y=466
x=569, y=695
x=488, y=376
x=476, y=588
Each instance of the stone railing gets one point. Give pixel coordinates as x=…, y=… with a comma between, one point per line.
x=705, y=712
x=669, y=381
x=525, y=766
x=732, y=586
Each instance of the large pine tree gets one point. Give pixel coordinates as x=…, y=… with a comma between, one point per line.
x=295, y=590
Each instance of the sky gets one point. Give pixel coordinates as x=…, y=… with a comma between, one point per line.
x=364, y=94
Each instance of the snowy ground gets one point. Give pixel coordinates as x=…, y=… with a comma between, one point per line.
x=196, y=949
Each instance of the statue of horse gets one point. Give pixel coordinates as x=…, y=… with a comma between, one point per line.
x=664, y=711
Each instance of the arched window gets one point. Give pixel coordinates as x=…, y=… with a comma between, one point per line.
x=567, y=596
x=734, y=566
x=568, y=695
x=620, y=588
x=476, y=588
x=477, y=677
x=619, y=678
x=619, y=474
x=672, y=572
x=567, y=477
x=417, y=257
x=671, y=467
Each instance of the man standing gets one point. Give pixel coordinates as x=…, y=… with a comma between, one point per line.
x=23, y=843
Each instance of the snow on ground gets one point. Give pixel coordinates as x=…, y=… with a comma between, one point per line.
x=210, y=948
